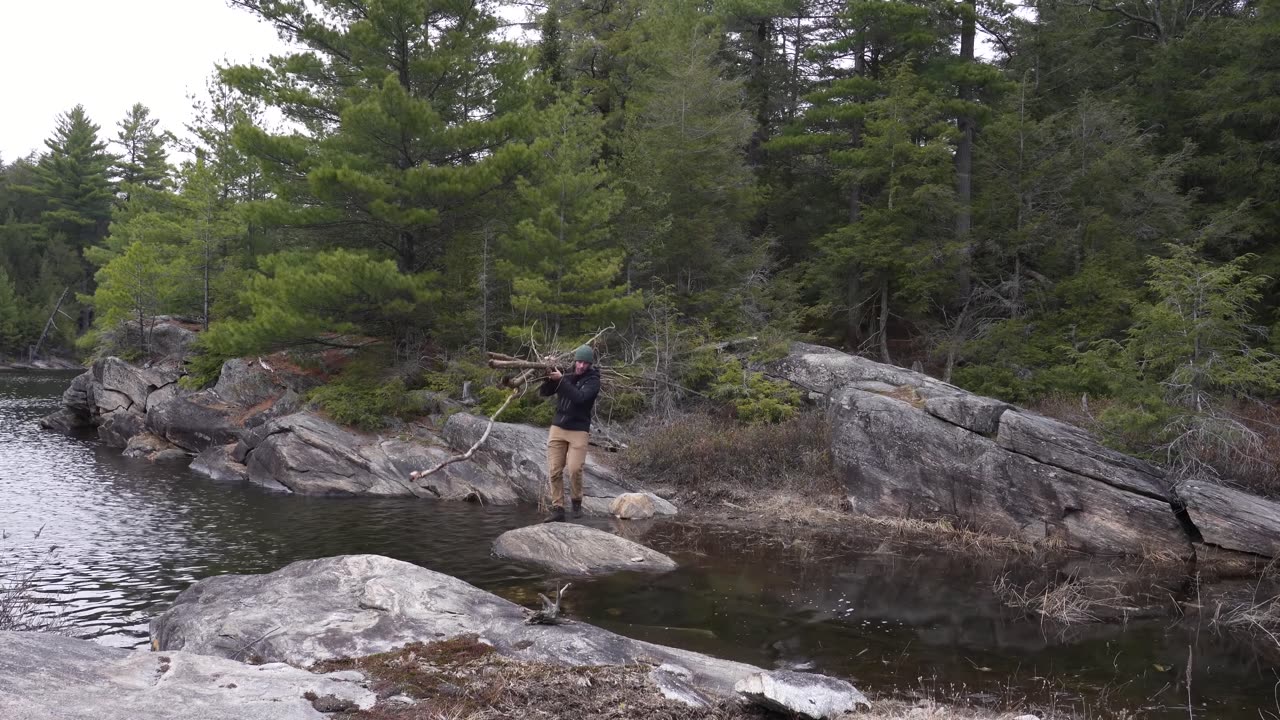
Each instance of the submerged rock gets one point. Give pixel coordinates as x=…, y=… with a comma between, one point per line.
x=571, y=549
x=357, y=605
x=805, y=694
x=49, y=677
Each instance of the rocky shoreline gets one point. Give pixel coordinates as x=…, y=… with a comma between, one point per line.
x=905, y=446
x=247, y=646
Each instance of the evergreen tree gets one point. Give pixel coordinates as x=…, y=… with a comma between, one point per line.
x=565, y=273
x=136, y=286
x=689, y=189
x=144, y=160
x=414, y=114
x=337, y=298
x=901, y=245
x=13, y=318
x=73, y=178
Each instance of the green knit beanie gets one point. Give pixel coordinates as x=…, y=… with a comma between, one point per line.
x=584, y=354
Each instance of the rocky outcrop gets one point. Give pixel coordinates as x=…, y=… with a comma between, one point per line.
x=307, y=454
x=570, y=549
x=907, y=445
x=49, y=677
x=248, y=394
x=113, y=396
x=1232, y=519
x=803, y=694
x=519, y=454
x=357, y=605
x=251, y=426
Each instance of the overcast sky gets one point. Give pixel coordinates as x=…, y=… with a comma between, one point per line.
x=109, y=54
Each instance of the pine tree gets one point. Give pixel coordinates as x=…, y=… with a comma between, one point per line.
x=415, y=115
x=902, y=244
x=337, y=298
x=73, y=178
x=565, y=273
x=144, y=159
x=136, y=286
x=690, y=192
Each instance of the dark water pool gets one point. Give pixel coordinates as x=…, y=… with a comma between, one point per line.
x=111, y=541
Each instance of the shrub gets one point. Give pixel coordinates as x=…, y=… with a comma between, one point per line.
x=362, y=404
x=753, y=397
x=531, y=408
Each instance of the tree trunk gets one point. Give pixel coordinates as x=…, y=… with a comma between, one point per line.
x=964, y=151
x=884, y=321
x=35, y=352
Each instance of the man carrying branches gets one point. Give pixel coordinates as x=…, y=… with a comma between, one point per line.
x=571, y=428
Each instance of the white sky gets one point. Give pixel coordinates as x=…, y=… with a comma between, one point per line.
x=109, y=54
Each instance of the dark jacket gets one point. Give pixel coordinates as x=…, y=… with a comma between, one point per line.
x=576, y=395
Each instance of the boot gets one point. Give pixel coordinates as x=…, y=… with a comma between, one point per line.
x=557, y=515
x=577, y=507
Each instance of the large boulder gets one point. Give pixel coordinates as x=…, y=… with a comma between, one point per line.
x=1232, y=519
x=49, y=677
x=519, y=454
x=357, y=605
x=307, y=454
x=803, y=694
x=897, y=460
x=908, y=445
x=570, y=549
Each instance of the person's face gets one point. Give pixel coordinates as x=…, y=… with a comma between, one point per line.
x=580, y=367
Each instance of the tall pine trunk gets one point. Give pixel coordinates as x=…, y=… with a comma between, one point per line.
x=964, y=151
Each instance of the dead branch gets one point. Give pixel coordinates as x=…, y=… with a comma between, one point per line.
x=418, y=475
x=519, y=364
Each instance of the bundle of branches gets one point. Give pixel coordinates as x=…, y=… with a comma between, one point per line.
x=531, y=371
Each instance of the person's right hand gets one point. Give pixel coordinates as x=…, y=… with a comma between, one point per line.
x=554, y=374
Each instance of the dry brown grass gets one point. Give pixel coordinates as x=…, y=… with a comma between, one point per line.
x=941, y=534
x=708, y=460
x=1073, y=601
x=1257, y=618
x=19, y=609
x=463, y=679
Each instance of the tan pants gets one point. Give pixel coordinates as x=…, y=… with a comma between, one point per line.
x=566, y=450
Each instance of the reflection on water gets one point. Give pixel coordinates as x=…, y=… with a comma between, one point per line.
x=113, y=540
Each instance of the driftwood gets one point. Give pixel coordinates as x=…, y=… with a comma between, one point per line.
x=551, y=612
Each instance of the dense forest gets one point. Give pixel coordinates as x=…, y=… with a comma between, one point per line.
x=1073, y=198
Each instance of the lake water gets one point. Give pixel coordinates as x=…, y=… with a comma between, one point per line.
x=112, y=540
